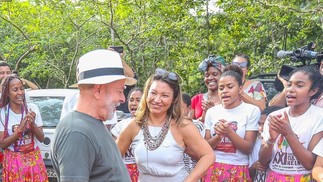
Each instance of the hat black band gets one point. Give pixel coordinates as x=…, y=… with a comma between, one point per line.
x=101, y=72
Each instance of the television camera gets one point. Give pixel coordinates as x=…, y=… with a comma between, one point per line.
x=305, y=55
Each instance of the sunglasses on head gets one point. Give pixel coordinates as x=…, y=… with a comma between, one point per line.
x=163, y=73
x=241, y=64
x=213, y=60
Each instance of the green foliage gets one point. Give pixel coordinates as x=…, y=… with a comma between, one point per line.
x=44, y=38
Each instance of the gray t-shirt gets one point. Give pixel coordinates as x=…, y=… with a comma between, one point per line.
x=84, y=150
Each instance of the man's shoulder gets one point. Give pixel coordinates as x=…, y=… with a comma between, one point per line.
x=71, y=115
x=73, y=120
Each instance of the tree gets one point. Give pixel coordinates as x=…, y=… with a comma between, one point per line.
x=44, y=38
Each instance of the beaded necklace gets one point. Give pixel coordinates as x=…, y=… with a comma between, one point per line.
x=152, y=143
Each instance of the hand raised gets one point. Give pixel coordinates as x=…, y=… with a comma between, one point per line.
x=30, y=118
x=280, y=124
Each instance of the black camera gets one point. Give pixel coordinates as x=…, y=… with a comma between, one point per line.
x=304, y=54
x=118, y=49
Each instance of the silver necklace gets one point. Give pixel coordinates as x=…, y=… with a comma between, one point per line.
x=152, y=143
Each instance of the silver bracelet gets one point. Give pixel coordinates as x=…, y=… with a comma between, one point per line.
x=270, y=143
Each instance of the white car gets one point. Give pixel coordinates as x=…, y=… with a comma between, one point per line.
x=49, y=102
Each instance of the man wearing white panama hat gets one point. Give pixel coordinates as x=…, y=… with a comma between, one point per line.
x=82, y=149
x=70, y=101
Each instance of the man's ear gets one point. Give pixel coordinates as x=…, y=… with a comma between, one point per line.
x=97, y=90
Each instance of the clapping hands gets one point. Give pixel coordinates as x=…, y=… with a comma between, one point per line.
x=279, y=124
x=222, y=128
x=28, y=121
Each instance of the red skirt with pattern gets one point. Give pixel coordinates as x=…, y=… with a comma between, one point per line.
x=133, y=172
x=227, y=172
x=275, y=177
x=19, y=166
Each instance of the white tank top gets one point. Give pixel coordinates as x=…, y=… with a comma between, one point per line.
x=163, y=164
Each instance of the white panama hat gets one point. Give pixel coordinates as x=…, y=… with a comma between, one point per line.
x=100, y=67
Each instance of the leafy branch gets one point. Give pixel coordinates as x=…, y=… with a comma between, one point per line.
x=77, y=46
x=314, y=10
x=30, y=50
x=14, y=25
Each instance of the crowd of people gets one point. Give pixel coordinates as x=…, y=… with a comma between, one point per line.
x=225, y=134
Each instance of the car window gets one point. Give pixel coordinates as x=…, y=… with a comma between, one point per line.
x=50, y=109
x=268, y=81
x=270, y=89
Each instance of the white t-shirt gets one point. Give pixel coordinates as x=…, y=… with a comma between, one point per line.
x=260, y=176
x=116, y=130
x=69, y=105
x=254, y=156
x=318, y=150
x=243, y=118
x=304, y=126
x=14, y=121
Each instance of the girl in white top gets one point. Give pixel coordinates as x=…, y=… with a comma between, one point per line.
x=20, y=129
x=133, y=100
x=161, y=135
x=290, y=134
x=231, y=129
x=318, y=166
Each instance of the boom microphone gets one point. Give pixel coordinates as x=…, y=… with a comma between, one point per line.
x=282, y=53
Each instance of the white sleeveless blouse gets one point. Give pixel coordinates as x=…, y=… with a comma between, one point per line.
x=163, y=164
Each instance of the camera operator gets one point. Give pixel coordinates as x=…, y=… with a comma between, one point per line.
x=280, y=99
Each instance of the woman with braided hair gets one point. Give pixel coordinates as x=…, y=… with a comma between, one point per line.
x=20, y=130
